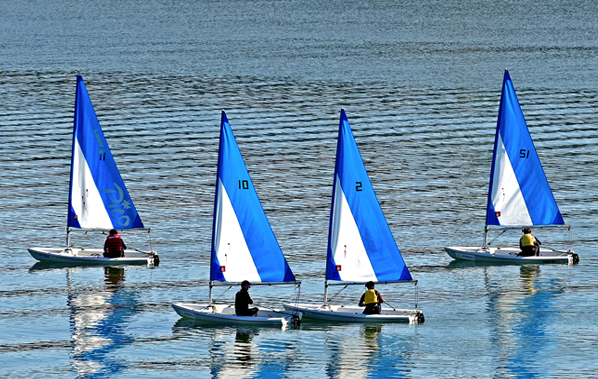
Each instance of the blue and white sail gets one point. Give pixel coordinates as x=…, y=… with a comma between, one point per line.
x=243, y=244
x=519, y=193
x=361, y=246
x=98, y=198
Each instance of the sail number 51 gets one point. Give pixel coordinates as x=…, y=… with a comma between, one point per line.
x=523, y=153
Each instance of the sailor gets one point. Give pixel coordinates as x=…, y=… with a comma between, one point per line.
x=371, y=299
x=529, y=244
x=114, y=247
x=242, y=301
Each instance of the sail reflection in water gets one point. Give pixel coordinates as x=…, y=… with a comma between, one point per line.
x=98, y=322
x=374, y=350
x=521, y=318
x=240, y=351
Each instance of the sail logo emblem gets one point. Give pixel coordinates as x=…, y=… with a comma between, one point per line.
x=117, y=197
x=338, y=267
x=222, y=268
x=497, y=214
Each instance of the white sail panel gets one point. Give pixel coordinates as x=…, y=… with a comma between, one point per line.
x=234, y=257
x=507, y=199
x=86, y=199
x=348, y=250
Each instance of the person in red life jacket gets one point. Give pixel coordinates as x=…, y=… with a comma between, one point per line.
x=371, y=300
x=114, y=247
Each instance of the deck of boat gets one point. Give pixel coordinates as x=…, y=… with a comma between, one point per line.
x=222, y=313
x=509, y=255
x=87, y=256
x=344, y=313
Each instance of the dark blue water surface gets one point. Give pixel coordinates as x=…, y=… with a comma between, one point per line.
x=420, y=82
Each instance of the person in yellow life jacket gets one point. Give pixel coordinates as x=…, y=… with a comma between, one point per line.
x=114, y=247
x=371, y=300
x=529, y=244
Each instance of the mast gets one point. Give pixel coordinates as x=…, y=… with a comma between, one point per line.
x=486, y=231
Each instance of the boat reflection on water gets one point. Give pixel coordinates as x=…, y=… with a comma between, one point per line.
x=98, y=323
x=520, y=320
x=241, y=351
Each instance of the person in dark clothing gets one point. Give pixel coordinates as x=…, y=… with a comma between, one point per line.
x=242, y=301
x=114, y=247
x=371, y=300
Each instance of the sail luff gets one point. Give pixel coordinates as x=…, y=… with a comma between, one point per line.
x=215, y=270
x=71, y=219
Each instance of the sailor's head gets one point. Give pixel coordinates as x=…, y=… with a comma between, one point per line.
x=245, y=284
x=369, y=285
x=526, y=231
x=113, y=232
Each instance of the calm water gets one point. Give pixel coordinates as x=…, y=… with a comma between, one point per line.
x=420, y=82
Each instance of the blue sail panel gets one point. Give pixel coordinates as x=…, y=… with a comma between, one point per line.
x=243, y=244
x=98, y=197
x=519, y=192
x=359, y=238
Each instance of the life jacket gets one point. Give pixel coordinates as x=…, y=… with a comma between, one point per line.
x=527, y=240
x=114, y=244
x=370, y=297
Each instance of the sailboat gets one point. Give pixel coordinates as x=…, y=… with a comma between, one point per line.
x=519, y=195
x=243, y=244
x=98, y=198
x=361, y=247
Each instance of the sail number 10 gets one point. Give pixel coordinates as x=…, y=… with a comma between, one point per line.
x=243, y=184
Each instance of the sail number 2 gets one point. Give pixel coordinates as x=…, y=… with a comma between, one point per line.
x=523, y=153
x=358, y=186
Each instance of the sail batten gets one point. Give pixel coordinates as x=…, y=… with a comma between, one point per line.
x=519, y=193
x=243, y=244
x=360, y=244
x=98, y=198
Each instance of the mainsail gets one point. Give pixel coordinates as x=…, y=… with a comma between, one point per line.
x=519, y=193
x=243, y=244
x=98, y=198
x=360, y=244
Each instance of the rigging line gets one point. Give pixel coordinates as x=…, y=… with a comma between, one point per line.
x=342, y=289
x=503, y=232
x=225, y=291
x=570, y=233
x=149, y=234
x=298, y=288
x=416, y=295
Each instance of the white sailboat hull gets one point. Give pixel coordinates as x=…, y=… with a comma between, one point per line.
x=221, y=313
x=88, y=256
x=343, y=313
x=508, y=255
